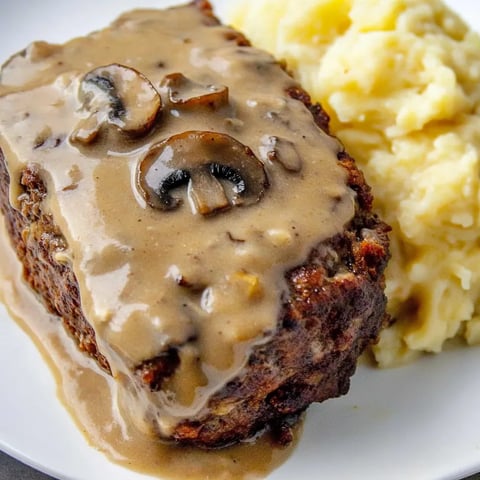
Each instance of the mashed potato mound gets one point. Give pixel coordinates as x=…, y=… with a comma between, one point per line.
x=401, y=81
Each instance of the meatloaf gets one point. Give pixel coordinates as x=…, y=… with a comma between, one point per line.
x=223, y=309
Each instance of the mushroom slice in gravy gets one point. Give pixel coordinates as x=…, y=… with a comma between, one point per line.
x=116, y=95
x=201, y=159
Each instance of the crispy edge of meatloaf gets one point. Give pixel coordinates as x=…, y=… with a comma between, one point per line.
x=333, y=309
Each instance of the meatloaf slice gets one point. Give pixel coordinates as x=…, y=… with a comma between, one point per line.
x=332, y=309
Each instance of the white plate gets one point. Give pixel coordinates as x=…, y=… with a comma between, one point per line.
x=416, y=422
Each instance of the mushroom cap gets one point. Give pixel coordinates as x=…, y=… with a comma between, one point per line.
x=116, y=95
x=184, y=92
x=202, y=159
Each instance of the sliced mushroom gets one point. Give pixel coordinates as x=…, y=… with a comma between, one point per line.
x=202, y=160
x=280, y=150
x=184, y=92
x=119, y=96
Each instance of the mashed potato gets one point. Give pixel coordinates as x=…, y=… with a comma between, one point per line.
x=401, y=81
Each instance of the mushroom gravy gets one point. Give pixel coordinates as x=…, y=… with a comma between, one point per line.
x=118, y=122
x=88, y=394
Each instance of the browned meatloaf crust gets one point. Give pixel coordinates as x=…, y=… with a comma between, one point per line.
x=334, y=309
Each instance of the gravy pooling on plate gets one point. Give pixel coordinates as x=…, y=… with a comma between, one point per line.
x=89, y=394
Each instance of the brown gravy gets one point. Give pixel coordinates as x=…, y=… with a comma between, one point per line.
x=213, y=284
x=86, y=393
x=202, y=270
